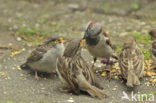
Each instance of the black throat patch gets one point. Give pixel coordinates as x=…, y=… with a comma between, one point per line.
x=92, y=41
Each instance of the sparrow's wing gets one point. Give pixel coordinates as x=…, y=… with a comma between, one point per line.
x=123, y=61
x=107, y=39
x=37, y=54
x=138, y=62
x=153, y=48
x=69, y=68
x=86, y=71
x=68, y=71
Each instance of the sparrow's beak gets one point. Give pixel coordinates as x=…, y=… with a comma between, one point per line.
x=61, y=40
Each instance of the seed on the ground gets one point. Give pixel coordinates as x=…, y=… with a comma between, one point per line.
x=21, y=75
x=3, y=74
x=18, y=68
x=42, y=88
x=114, y=89
x=19, y=91
x=13, y=68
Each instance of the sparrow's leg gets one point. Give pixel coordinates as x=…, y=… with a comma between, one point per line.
x=36, y=76
x=93, y=63
x=109, y=66
x=65, y=90
x=54, y=72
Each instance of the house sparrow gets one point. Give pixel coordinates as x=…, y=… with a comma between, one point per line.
x=74, y=72
x=43, y=58
x=152, y=33
x=131, y=61
x=97, y=42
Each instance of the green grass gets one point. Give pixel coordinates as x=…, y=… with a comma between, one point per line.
x=30, y=32
x=141, y=38
x=135, y=6
x=7, y=102
x=33, y=36
x=147, y=54
x=118, y=49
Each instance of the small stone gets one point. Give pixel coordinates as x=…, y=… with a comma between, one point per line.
x=21, y=75
x=114, y=89
x=19, y=39
x=15, y=27
x=4, y=92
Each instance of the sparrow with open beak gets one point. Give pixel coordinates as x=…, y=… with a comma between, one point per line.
x=152, y=33
x=43, y=58
x=75, y=73
x=98, y=43
x=131, y=61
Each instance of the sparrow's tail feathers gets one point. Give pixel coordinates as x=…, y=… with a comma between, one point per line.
x=92, y=90
x=96, y=92
x=132, y=79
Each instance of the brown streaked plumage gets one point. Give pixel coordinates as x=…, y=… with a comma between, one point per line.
x=153, y=44
x=131, y=61
x=75, y=73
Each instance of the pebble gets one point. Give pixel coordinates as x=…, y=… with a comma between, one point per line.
x=114, y=89
x=21, y=75
x=19, y=39
x=4, y=92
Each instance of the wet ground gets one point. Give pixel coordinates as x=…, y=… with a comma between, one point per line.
x=66, y=18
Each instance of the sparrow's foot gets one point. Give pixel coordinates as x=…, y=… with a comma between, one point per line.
x=110, y=73
x=54, y=72
x=92, y=67
x=36, y=76
x=65, y=90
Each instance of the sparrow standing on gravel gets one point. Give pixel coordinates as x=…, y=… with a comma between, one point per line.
x=153, y=44
x=43, y=58
x=75, y=73
x=131, y=61
x=97, y=42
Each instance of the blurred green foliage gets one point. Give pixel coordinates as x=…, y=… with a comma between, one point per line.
x=141, y=38
x=31, y=36
x=135, y=6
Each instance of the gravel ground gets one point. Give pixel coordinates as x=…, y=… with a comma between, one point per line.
x=66, y=18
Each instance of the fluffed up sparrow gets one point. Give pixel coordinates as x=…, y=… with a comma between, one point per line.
x=75, y=73
x=43, y=58
x=131, y=61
